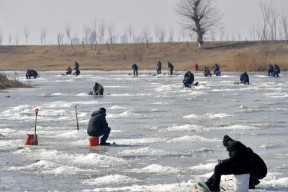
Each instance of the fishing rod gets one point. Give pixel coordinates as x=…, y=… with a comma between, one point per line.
x=76, y=117
x=35, y=135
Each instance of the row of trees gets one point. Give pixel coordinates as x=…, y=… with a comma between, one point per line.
x=200, y=20
x=203, y=18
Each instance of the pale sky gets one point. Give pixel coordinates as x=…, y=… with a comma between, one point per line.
x=239, y=16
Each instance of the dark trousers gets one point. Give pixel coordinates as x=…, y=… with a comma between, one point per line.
x=276, y=73
x=105, y=132
x=158, y=71
x=100, y=92
x=171, y=71
x=222, y=169
x=135, y=72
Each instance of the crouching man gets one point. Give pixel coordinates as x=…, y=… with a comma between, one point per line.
x=238, y=163
x=98, y=126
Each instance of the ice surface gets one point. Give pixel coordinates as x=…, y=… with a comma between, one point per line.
x=168, y=136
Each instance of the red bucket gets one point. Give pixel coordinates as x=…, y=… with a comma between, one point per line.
x=30, y=140
x=93, y=141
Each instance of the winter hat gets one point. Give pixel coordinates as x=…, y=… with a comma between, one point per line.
x=226, y=139
x=102, y=109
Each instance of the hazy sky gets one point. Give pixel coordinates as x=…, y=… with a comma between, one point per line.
x=54, y=15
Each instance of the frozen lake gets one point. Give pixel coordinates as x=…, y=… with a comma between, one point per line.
x=169, y=136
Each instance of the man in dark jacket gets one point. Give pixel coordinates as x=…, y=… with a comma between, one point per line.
x=159, y=65
x=188, y=79
x=170, y=67
x=244, y=78
x=135, y=69
x=258, y=169
x=77, y=69
x=217, y=71
x=207, y=72
x=98, y=89
x=237, y=163
x=270, y=70
x=98, y=126
x=276, y=70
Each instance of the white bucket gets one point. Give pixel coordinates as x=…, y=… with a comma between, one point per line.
x=241, y=183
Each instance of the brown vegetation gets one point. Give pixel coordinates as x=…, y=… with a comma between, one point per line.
x=7, y=83
x=232, y=56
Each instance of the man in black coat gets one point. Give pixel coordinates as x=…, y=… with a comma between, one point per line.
x=188, y=79
x=159, y=66
x=98, y=126
x=270, y=70
x=135, y=69
x=98, y=89
x=276, y=70
x=170, y=67
x=258, y=169
x=237, y=163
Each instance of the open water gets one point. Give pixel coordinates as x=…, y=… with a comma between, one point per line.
x=169, y=137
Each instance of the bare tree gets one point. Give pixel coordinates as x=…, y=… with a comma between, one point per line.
x=102, y=30
x=10, y=39
x=139, y=51
x=1, y=38
x=26, y=33
x=199, y=16
x=171, y=34
x=162, y=35
x=131, y=31
x=60, y=37
x=68, y=34
x=125, y=35
x=222, y=34
x=157, y=32
x=266, y=11
x=43, y=36
x=94, y=35
x=284, y=23
x=273, y=24
x=86, y=30
x=110, y=32
x=145, y=38
x=16, y=39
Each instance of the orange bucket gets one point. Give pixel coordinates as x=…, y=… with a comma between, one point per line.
x=30, y=140
x=93, y=141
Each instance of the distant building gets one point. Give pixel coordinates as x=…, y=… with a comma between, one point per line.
x=75, y=40
x=123, y=39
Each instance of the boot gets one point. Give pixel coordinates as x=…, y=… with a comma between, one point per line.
x=104, y=143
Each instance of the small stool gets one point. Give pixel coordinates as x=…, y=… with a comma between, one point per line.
x=93, y=141
x=241, y=182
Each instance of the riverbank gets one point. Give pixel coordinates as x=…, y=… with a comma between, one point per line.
x=8, y=83
x=232, y=56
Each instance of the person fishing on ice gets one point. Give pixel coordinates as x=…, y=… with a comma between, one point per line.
x=242, y=160
x=98, y=126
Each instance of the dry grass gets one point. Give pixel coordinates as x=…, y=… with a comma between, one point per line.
x=7, y=83
x=232, y=56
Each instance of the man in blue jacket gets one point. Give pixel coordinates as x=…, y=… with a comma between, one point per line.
x=276, y=70
x=98, y=126
x=244, y=78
